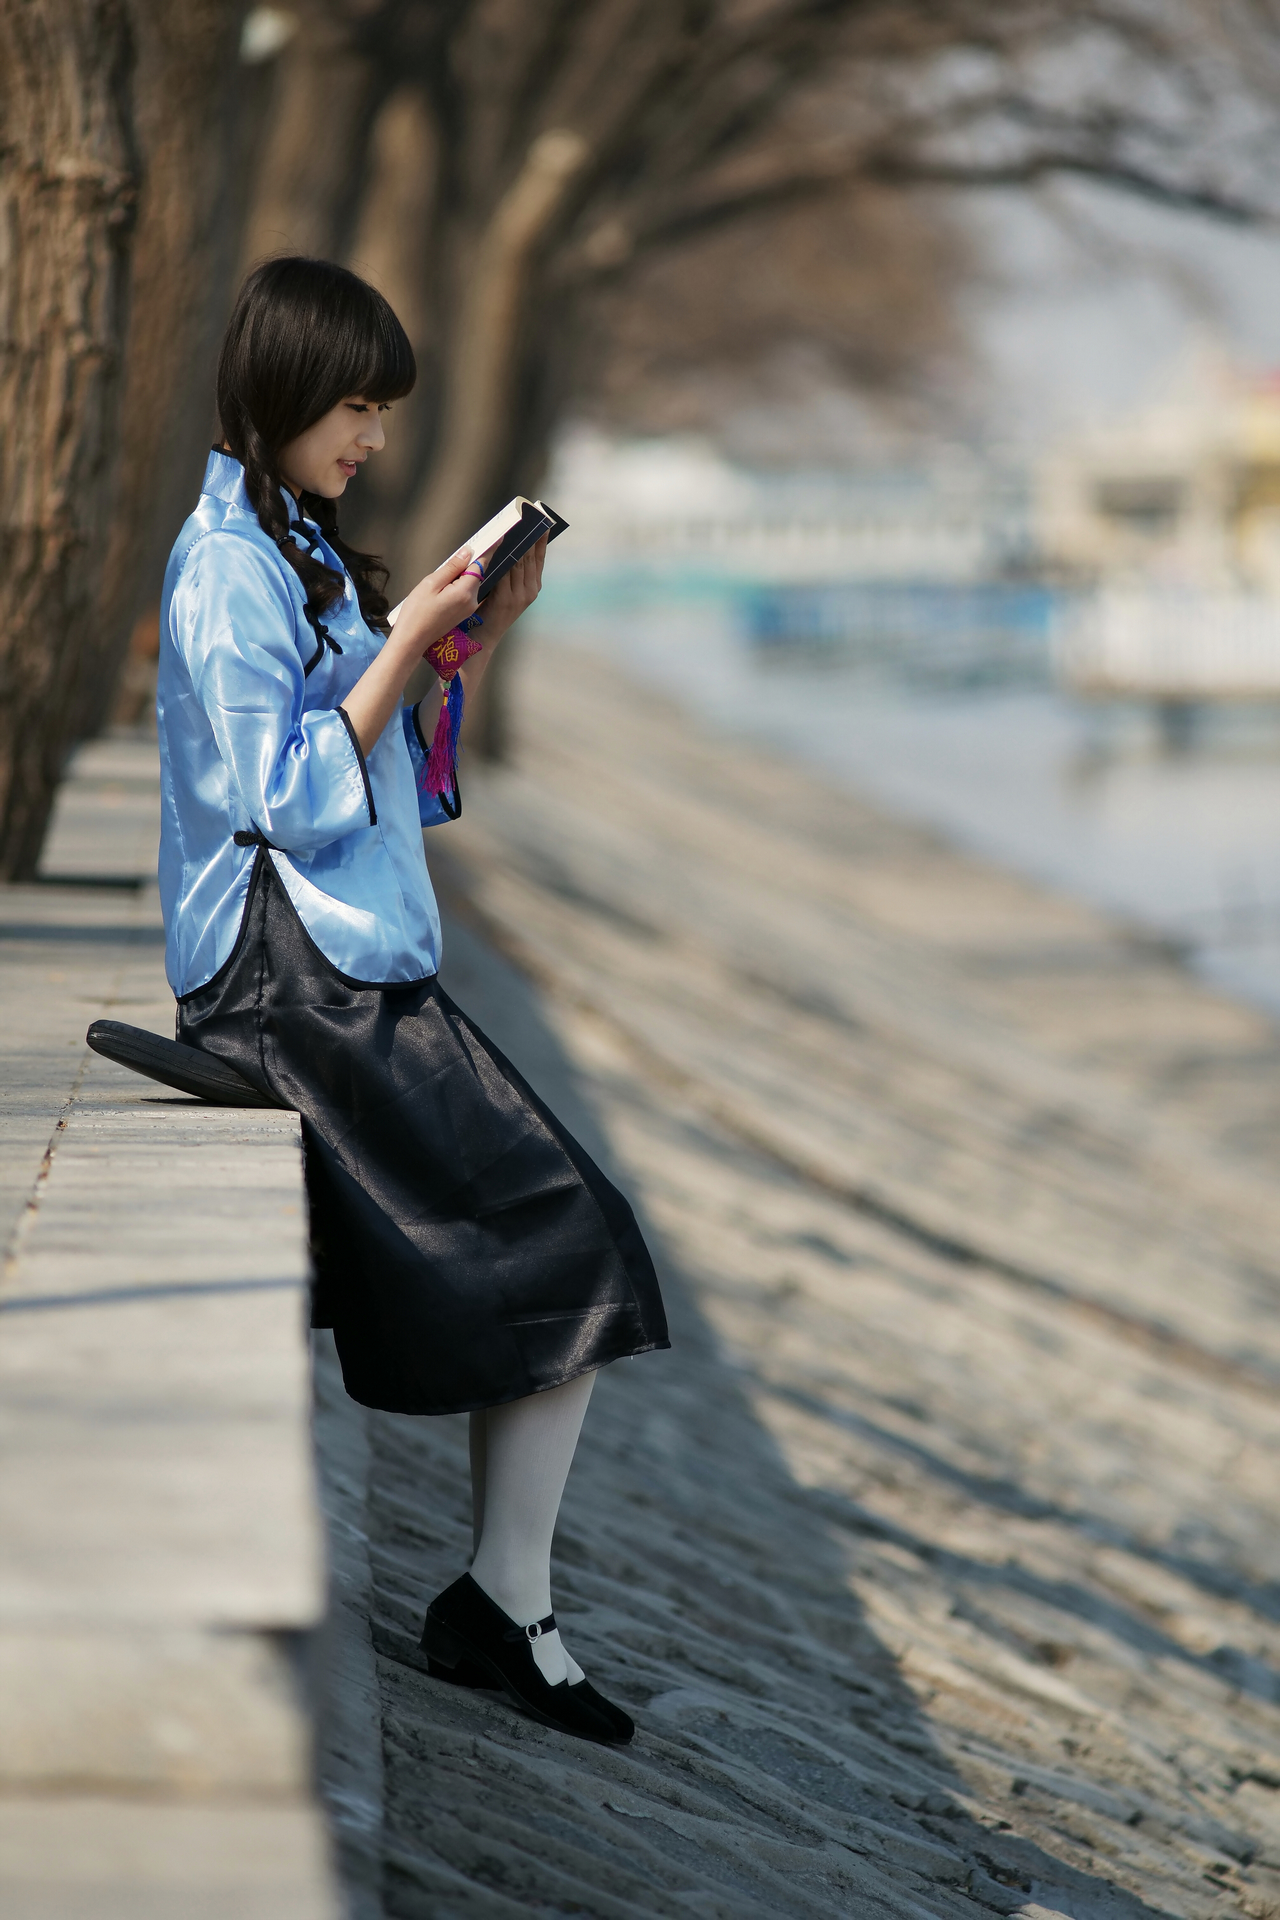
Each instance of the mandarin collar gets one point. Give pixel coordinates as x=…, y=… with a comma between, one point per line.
x=224, y=480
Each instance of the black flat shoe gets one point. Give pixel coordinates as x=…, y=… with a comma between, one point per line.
x=465, y=1674
x=465, y=1629
x=174, y=1064
x=468, y=1674
x=623, y=1725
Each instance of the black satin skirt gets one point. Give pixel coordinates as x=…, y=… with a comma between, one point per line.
x=467, y=1250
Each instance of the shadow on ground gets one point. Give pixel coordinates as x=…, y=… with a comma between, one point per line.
x=783, y=1765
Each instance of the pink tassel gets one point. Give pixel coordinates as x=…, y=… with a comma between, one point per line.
x=442, y=762
x=446, y=656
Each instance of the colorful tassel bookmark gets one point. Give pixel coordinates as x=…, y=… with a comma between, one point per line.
x=446, y=656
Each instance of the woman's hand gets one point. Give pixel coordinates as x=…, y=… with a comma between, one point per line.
x=516, y=591
x=435, y=606
x=514, y=594
x=439, y=602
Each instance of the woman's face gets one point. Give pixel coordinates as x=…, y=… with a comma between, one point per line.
x=324, y=458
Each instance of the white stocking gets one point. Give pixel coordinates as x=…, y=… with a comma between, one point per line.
x=520, y=1459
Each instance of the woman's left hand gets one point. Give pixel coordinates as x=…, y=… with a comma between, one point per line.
x=517, y=589
x=514, y=594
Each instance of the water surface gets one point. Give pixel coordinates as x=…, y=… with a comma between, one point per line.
x=977, y=743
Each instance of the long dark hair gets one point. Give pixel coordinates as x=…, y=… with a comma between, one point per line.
x=302, y=336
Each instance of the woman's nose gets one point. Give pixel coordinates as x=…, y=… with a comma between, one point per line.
x=373, y=437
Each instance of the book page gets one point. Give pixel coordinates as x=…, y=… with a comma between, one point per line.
x=502, y=522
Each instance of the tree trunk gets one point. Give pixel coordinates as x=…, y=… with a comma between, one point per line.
x=197, y=115
x=401, y=186
x=68, y=181
x=484, y=417
x=481, y=410
x=310, y=172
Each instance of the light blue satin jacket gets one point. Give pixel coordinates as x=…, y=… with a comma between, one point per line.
x=252, y=736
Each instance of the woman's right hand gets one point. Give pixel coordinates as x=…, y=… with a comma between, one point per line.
x=435, y=606
x=439, y=602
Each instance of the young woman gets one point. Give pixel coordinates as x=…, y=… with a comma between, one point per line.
x=469, y=1255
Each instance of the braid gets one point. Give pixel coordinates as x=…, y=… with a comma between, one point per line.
x=321, y=584
x=368, y=573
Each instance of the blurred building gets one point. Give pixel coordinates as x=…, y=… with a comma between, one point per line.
x=1183, y=492
x=956, y=518
x=1171, y=515
x=925, y=572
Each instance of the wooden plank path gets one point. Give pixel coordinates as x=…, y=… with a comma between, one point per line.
x=939, y=1560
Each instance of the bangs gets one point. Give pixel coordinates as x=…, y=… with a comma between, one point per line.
x=348, y=338
x=379, y=364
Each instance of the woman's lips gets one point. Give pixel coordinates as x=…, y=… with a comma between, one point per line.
x=348, y=467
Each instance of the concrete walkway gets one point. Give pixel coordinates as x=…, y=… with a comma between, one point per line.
x=160, y=1555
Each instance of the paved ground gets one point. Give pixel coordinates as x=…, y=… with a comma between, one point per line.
x=939, y=1560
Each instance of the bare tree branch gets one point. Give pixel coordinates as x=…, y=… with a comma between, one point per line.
x=1032, y=169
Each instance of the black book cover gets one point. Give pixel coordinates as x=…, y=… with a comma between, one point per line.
x=535, y=520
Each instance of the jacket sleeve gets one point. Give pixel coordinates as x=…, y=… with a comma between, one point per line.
x=300, y=777
x=431, y=809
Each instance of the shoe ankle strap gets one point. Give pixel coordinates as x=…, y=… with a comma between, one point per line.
x=534, y=1631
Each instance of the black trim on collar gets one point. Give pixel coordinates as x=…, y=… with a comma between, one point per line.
x=364, y=770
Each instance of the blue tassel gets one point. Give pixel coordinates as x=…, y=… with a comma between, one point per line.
x=456, y=701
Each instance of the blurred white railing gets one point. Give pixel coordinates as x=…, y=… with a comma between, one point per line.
x=781, y=551
x=1171, y=644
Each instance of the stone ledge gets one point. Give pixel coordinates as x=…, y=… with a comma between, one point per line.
x=99, y=1858
x=161, y=1563
x=154, y=1709
x=154, y=1389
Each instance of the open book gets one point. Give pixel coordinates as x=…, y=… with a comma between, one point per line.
x=519, y=526
x=511, y=533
